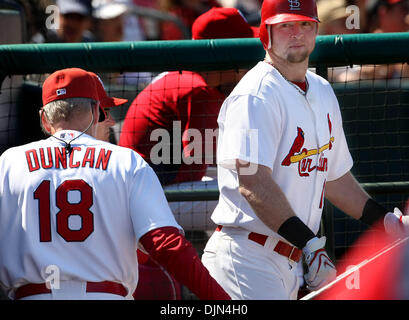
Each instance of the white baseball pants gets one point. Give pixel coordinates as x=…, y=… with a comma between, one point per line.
x=248, y=271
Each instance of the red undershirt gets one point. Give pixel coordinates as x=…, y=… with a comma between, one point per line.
x=301, y=84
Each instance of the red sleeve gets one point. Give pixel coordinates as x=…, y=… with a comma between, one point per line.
x=146, y=114
x=203, y=106
x=171, y=249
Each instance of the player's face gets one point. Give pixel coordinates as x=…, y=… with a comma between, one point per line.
x=294, y=41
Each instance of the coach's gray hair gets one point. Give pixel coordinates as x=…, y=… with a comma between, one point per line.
x=65, y=110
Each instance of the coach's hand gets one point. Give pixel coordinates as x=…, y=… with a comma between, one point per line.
x=321, y=270
x=396, y=224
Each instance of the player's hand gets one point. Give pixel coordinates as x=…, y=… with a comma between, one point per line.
x=396, y=224
x=321, y=270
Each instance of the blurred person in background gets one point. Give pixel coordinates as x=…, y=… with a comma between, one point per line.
x=382, y=16
x=249, y=8
x=186, y=10
x=381, y=261
x=333, y=16
x=75, y=21
x=113, y=22
x=387, y=15
x=109, y=19
x=157, y=283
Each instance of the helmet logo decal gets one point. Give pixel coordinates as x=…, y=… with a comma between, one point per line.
x=294, y=4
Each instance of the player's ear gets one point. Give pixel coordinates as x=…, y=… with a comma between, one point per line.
x=269, y=28
x=45, y=125
x=95, y=111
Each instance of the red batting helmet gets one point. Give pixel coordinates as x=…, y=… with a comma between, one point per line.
x=278, y=11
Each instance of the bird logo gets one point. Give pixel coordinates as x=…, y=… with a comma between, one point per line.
x=295, y=148
x=330, y=130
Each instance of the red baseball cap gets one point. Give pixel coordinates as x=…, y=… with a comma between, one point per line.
x=222, y=23
x=105, y=100
x=69, y=83
x=279, y=11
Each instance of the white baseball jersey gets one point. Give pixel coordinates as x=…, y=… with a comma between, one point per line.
x=266, y=120
x=82, y=213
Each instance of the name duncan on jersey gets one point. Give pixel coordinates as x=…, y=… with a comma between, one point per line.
x=57, y=158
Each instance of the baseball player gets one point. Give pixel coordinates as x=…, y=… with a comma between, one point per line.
x=74, y=209
x=281, y=150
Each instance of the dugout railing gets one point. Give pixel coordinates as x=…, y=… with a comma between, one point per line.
x=375, y=110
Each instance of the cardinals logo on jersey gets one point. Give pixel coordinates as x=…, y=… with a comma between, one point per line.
x=295, y=148
x=303, y=156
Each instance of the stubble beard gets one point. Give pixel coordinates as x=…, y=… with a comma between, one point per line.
x=298, y=57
